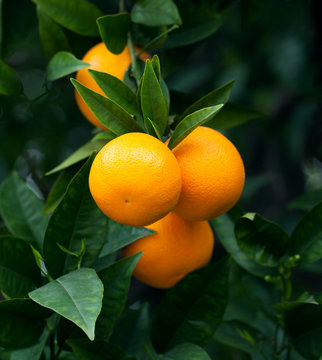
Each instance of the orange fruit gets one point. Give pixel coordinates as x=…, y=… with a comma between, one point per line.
x=101, y=59
x=177, y=248
x=135, y=179
x=212, y=174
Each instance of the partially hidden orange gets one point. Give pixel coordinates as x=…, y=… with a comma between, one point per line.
x=177, y=248
x=101, y=59
x=135, y=179
x=212, y=172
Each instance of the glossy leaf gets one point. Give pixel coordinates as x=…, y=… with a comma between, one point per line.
x=76, y=296
x=21, y=323
x=153, y=103
x=84, y=151
x=116, y=280
x=75, y=218
x=63, y=63
x=116, y=90
x=263, y=241
x=10, y=83
x=155, y=13
x=186, y=351
x=76, y=15
x=21, y=210
x=111, y=115
x=306, y=201
x=191, y=122
x=19, y=273
x=215, y=97
x=52, y=36
x=114, y=40
x=233, y=115
x=306, y=239
x=97, y=350
x=224, y=228
x=192, y=310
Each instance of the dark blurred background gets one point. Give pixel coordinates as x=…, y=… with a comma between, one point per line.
x=272, y=48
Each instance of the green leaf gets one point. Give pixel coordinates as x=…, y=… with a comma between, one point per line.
x=19, y=273
x=304, y=325
x=224, y=228
x=116, y=280
x=52, y=36
x=113, y=30
x=155, y=13
x=97, y=350
x=153, y=103
x=149, y=123
x=261, y=240
x=132, y=333
x=116, y=90
x=233, y=115
x=63, y=63
x=191, y=122
x=156, y=67
x=76, y=296
x=21, y=323
x=57, y=191
x=306, y=201
x=215, y=97
x=306, y=239
x=21, y=210
x=85, y=151
x=192, y=310
x=186, y=351
x=10, y=83
x=111, y=115
x=76, y=15
x=75, y=218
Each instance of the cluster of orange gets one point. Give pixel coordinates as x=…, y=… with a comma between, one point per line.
x=137, y=180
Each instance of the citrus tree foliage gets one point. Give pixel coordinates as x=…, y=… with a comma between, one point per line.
x=65, y=290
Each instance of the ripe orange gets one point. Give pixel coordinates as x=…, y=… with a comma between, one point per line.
x=177, y=248
x=135, y=179
x=101, y=59
x=212, y=174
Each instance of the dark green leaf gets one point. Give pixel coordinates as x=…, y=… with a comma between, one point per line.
x=233, y=115
x=215, y=97
x=85, y=151
x=224, y=228
x=52, y=36
x=165, y=91
x=57, y=191
x=113, y=30
x=76, y=218
x=149, y=123
x=263, y=241
x=156, y=67
x=116, y=90
x=21, y=210
x=76, y=15
x=111, y=115
x=19, y=273
x=10, y=83
x=186, y=351
x=306, y=239
x=21, y=323
x=191, y=122
x=120, y=235
x=77, y=296
x=63, y=63
x=116, y=281
x=155, y=13
x=306, y=201
x=192, y=310
x=132, y=333
x=304, y=325
x=153, y=103
x=97, y=350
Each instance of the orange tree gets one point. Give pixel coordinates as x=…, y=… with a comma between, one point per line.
x=67, y=293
